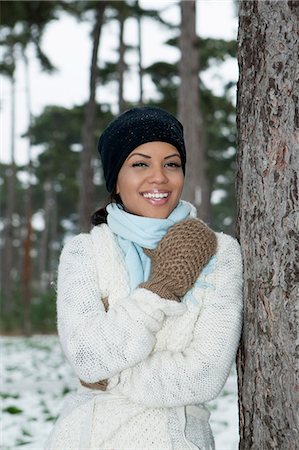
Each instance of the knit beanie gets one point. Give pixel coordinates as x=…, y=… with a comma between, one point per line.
x=133, y=128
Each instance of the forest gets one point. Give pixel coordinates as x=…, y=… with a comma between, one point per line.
x=242, y=173
x=42, y=202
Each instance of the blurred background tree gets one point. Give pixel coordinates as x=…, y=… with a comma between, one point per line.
x=53, y=195
x=22, y=24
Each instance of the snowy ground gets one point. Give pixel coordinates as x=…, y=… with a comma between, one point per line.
x=35, y=378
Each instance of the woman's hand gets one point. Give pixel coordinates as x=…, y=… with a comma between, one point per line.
x=179, y=258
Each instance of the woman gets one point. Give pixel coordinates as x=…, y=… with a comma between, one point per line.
x=149, y=302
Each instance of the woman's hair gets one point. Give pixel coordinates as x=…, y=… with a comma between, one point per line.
x=100, y=215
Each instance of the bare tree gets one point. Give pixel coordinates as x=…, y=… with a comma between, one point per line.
x=139, y=51
x=7, y=281
x=23, y=24
x=267, y=189
x=49, y=205
x=121, y=65
x=27, y=241
x=196, y=187
x=87, y=190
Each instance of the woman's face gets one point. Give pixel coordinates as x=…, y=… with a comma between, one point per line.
x=150, y=181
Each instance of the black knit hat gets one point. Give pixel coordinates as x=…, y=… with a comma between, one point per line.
x=133, y=128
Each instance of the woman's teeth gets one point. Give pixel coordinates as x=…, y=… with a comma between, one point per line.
x=148, y=195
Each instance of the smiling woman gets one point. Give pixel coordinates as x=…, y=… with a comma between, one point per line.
x=151, y=180
x=149, y=302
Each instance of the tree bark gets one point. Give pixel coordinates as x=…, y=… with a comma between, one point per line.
x=121, y=66
x=196, y=185
x=27, y=274
x=139, y=52
x=267, y=190
x=87, y=190
x=54, y=249
x=27, y=241
x=44, y=243
x=7, y=281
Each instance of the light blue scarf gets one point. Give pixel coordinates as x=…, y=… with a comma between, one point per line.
x=134, y=232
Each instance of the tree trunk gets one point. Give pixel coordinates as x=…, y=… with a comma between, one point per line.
x=196, y=185
x=121, y=66
x=139, y=52
x=44, y=244
x=87, y=190
x=27, y=242
x=7, y=281
x=27, y=275
x=53, y=237
x=267, y=190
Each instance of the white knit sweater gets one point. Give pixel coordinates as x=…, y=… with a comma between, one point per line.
x=163, y=359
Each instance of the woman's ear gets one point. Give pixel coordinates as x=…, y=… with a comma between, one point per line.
x=117, y=189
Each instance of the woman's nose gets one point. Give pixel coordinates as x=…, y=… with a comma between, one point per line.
x=158, y=175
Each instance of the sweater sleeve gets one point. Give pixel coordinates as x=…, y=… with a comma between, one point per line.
x=198, y=373
x=100, y=344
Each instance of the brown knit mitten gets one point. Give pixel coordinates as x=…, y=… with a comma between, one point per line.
x=179, y=258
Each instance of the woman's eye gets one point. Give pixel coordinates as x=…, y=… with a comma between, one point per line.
x=173, y=164
x=139, y=164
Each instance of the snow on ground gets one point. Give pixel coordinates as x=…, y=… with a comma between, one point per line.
x=35, y=378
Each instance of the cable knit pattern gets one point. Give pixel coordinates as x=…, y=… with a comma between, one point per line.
x=163, y=359
x=179, y=258
x=100, y=344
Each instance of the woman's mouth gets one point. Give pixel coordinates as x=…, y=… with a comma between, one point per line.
x=156, y=198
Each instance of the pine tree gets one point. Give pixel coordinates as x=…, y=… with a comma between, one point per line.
x=267, y=188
